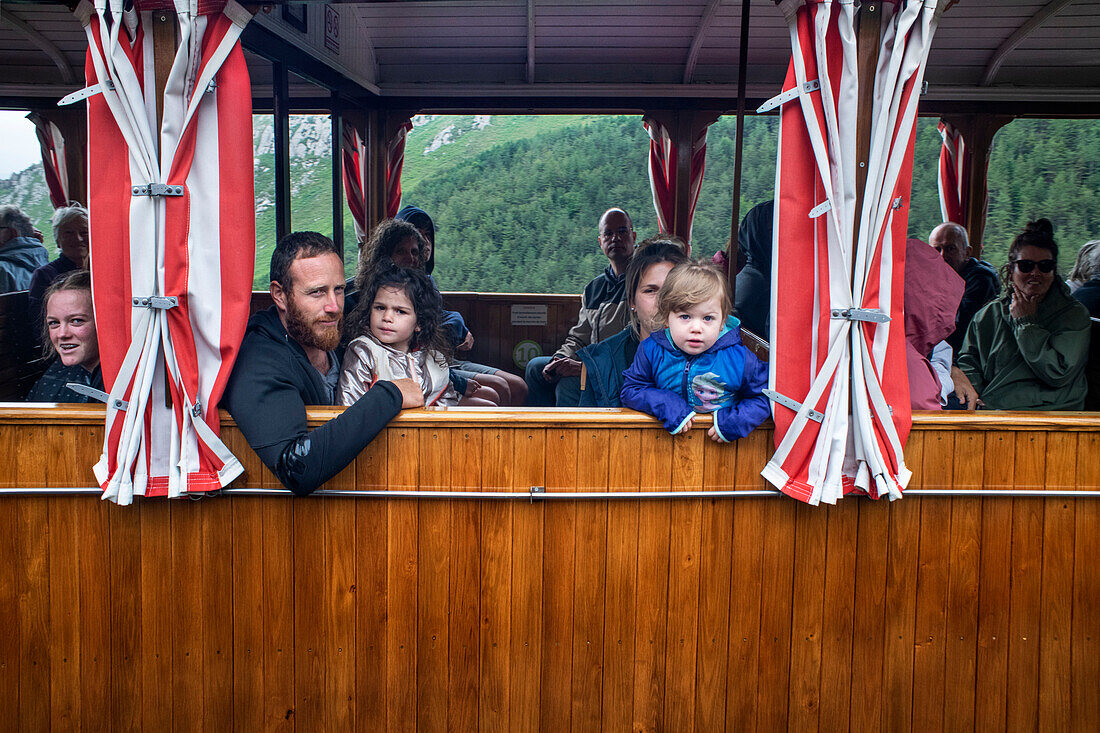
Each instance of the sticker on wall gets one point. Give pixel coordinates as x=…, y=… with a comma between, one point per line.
x=525, y=351
x=528, y=315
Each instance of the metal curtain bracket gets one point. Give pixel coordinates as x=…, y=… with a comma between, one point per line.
x=896, y=204
x=792, y=93
x=156, y=301
x=782, y=399
x=156, y=189
x=872, y=315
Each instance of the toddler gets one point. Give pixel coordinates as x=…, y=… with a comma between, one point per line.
x=697, y=362
x=397, y=323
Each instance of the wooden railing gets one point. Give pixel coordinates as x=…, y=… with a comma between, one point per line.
x=331, y=613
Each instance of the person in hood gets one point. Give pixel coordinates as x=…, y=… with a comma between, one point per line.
x=21, y=253
x=697, y=363
x=290, y=358
x=752, y=299
x=1028, y=350
x=469, y=377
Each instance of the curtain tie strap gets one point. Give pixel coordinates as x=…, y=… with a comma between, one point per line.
x=82, y=94
x=792, y=93
x=97, y=394
x=820, y=209
x=782, y=399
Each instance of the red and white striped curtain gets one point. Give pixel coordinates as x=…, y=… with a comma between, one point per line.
x=172, y=240
x=354, y=158
x=395, y=160
x=838, y=367
x=52, y=143
x=955, y=162
x=663, y=156
x=356, y=168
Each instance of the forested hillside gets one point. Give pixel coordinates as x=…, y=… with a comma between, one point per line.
x=516, y=198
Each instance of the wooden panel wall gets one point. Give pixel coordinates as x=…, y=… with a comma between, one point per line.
x=261, y=613
x=489, y=318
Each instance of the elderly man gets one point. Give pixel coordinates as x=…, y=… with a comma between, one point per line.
x=70, y=233
x=289, y=360
x=982, y=286
x=556, y=380
x=20, y=252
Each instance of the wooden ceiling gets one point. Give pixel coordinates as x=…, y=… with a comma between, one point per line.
x=985, y=51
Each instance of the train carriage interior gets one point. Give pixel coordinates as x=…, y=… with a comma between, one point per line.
x=473, y=568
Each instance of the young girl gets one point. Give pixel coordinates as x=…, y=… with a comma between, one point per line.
x=398, y=320
x=697, y=363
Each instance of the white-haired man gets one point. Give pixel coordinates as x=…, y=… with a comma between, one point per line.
x=20, y=252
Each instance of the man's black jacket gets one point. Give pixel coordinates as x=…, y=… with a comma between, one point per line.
x=267, y=394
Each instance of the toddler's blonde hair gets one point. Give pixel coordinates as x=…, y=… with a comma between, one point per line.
x=690, y=284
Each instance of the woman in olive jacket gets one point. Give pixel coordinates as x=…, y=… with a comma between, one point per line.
x=1027, y=351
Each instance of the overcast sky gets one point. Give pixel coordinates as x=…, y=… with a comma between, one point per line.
x=18, y=144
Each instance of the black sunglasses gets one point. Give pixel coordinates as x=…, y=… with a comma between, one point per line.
x=1029, y=265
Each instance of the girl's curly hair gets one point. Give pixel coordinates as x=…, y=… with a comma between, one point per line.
x=426, y=302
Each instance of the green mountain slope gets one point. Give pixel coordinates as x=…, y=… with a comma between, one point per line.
x=516, y=198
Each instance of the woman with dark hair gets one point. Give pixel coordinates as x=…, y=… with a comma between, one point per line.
x=1027, y=350
x=511, y=387
x=68, y=333
x=603, y=363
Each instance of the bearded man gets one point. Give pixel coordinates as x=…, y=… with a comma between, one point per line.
x=289, y=359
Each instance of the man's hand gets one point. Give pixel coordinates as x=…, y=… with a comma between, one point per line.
x=964, y=390
x=561, y=367
x=472, y=386
x=411, y=394
x=467, y=343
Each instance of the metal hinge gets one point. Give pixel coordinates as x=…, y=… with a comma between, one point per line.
x=156, y=189
x=873, y=315
x=156, y=301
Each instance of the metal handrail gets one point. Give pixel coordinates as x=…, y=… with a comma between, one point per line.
x=539, y=493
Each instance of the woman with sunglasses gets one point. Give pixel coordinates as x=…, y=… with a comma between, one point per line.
x=1027, y=351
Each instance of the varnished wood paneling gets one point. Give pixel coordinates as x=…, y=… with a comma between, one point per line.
x=748, y=614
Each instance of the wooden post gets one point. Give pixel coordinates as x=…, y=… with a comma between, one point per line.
x=684, y=126
x=383, y=125
x=735, y=215
x=868, y=39
x=164, y=53
x=73, y=124
x=282, y=150
x=977, y=132
x=337, y=175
